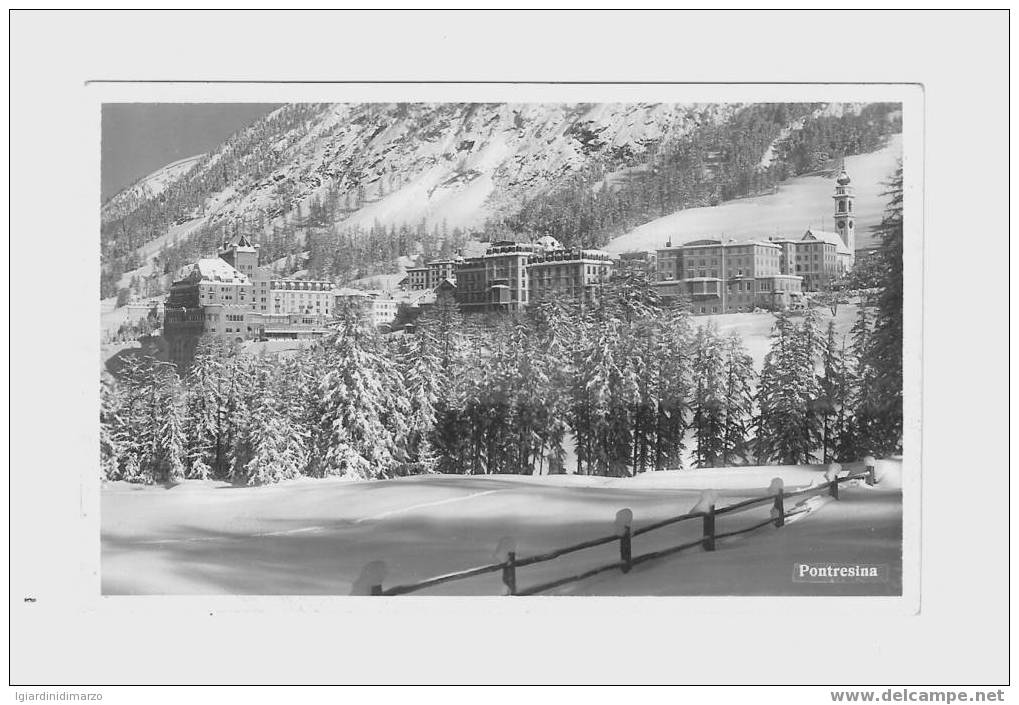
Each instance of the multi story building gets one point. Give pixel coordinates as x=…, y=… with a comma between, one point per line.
x=511, y=275
x=232, y=298
x=725, y=277
x=819, y=257
x=301, y=296
x=383, y=310
x=638, y=261
x=471, y=284
x=433, y=273
x=573, y=272
x=506, y=284
x=439, y=270
x=721, y=277
x=211, y=297
x=378, y=307
x=417, y=278
x=242, y=255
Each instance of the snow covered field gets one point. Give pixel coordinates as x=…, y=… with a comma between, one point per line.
x=313, y=537
x=755, y=328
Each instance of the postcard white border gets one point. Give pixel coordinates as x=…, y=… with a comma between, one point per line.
x=55, y=556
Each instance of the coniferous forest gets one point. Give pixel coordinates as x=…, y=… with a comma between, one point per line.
x=631, y=384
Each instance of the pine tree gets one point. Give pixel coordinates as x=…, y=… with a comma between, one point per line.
x=354, y=403
x=674, y=360
x=862, y=430
x=240, y=392
x=555, y=329
x=202, y=403
x=274, y=442
x=443, y=327
x=151, y=434
x=709, y=397
x=172, y=440
x=835, y=401
x=739, y=400
x=786, y=424
x=884, y=355
x=109, y=433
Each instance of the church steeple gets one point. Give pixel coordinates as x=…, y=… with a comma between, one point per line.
x=845, y=219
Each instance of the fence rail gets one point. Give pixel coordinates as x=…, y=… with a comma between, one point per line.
x=625, y=534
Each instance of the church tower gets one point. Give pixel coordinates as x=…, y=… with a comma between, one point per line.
x=845, y=219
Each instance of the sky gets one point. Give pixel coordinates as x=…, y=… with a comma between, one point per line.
x=139, y=138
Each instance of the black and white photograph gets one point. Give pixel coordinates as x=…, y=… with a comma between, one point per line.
x=508, y=348
x=497, y=348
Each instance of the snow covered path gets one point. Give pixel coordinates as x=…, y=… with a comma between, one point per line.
x=314, y=536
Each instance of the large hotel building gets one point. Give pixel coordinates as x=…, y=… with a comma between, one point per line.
x=512, y=275
x=726, y=277
x=233, y=298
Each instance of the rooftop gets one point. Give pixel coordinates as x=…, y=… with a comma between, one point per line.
x=241, y=242
x=347, y=291
x=215, y=269
x=824, y=236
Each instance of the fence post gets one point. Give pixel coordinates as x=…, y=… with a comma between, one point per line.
x=509, y=573
x=369, y=582
x=624, y=522
x=506, y=553
x=709, y=529
x=832, y=476
x=870, y=464
x=625, y=554
x=777, y=488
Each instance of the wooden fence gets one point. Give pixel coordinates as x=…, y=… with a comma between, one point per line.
x=370, y=582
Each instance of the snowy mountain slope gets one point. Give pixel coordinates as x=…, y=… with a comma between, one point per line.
x=148, y=187
x=445, y=161
x=447, y=157
x=799, y=203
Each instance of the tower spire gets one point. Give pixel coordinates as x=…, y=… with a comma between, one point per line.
x=845, y=219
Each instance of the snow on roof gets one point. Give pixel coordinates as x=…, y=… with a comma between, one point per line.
x=215, y=269
x=241, y=242
x=348, y=291
x=549, y=242
x=833, y=238
x=474, y=248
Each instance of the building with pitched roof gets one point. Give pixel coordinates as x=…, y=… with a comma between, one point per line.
x=234, y=299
